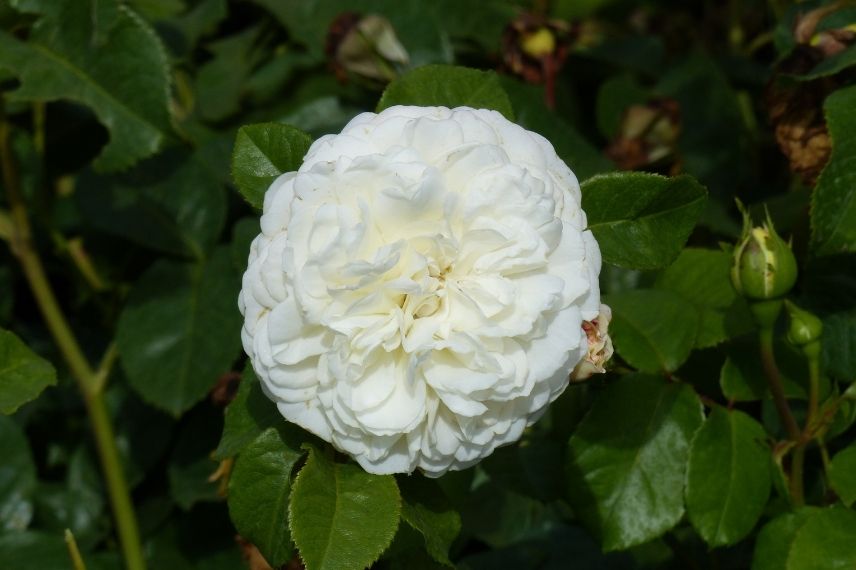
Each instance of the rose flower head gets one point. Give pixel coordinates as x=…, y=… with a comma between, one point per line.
x=418, y=293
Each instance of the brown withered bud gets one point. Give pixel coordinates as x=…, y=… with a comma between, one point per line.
x=795, y=108
x=647, y=137
x=225, y=389
x=364, y=46
x=535, y=48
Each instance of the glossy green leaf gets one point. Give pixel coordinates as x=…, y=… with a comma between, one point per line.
x=627, y=460
x=341, y=517
x=832, y=64
x=180, y=330
x=642, y=220
x=17, y=478
x=833, y=204
x=653, y=330
x=425, y=508
x=262, y=153
x=808, y=539
x=702, y=276
x=842, y=474
x=259, y=490
x=580, y=155
x=23, y=373
x=63, y=58
x=448, y=86
x=728, y=477
x=247, y=416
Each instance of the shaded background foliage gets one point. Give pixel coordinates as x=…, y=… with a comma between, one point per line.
x=120, y=120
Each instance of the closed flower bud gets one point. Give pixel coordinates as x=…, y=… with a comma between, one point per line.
x=764, y=265
x=805, y=328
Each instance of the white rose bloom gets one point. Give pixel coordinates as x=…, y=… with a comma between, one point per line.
x=417, y=294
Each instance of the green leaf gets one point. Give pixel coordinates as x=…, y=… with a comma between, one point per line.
x=425, y=508
x=262, y=153
x=174, y=203
x=642, y=221
x=63, y=58
x=702, y=276
x=742, y=376
x=244, y=232
x=832, y=64
x=579, y=154
x=839, y=345
x=414, y=21
x=532, y=467
x=191, y=465
x=728, y=477
x=23, y=374
x=842, y=475
x=341, y=517
x=653, y=330
x=247, y=416
x=627, y=460
x=17, y=478
x=142, y=432
x=808, y=539
x=33, y=550
x=78, y=504
x=714, y=141
x=180, y=330
x=500, y=518
x=221, y=81
x=259, y=490
x=833, y=204
x=448, y=86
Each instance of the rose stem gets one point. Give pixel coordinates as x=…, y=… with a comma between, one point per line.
x=89, y=381
x=774, y=381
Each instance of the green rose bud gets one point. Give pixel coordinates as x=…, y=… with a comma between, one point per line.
x=764, y=265
x=804, y=330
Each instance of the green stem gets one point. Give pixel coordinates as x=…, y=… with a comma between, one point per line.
x=774, y=381
x=73, y=551
x=88, y=381
x=796, y=481
x=813, y=393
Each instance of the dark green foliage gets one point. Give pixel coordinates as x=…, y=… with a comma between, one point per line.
x=141, y=137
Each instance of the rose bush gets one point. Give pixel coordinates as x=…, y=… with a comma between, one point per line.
x=418, y=291
x=422, y=280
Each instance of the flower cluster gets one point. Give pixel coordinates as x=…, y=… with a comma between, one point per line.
x=420, y=288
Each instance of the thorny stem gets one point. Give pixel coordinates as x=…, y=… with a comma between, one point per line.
x=89, y=381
